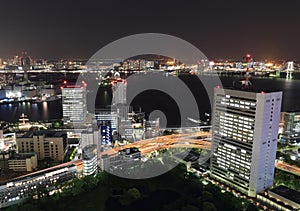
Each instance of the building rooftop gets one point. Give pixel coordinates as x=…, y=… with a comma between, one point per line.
x=251, y=90
x=129, y=151
x=30, y=134
x=287, y=193
x=22, y=156
x=89, y=151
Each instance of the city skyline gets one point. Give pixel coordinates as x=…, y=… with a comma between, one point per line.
x=156, y=105
x=221, y=29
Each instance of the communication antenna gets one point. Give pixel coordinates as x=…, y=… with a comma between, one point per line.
x=246, y=83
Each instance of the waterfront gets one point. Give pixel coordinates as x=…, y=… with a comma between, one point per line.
x=155, y=100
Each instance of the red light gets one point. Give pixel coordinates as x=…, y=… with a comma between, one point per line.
x=61, y=87
x=65, y=82
x=248, y=58
x=262, y=92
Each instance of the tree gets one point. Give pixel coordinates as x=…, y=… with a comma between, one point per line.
x=208, y=206
x=251, y=207
x=90, y=182
x=207, y=196
x=134, y=193
x=77, y=186
x=189, y=208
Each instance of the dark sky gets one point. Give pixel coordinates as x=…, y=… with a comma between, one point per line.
x=268, y=29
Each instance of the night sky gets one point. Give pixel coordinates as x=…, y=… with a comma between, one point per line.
x=268, y=29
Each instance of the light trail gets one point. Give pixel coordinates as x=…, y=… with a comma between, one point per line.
x=164, y=142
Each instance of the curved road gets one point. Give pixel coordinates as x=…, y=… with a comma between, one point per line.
x=190, y=140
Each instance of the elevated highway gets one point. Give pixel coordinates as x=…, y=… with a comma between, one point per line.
x=190, y=140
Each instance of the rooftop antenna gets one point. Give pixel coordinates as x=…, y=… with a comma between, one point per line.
x=246, y=83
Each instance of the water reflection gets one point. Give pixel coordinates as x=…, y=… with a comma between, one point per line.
x=45, y=110
x=53, y=110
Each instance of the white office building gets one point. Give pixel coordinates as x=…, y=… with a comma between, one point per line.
x=119, y=88
x=74, y=103
x=244, y=132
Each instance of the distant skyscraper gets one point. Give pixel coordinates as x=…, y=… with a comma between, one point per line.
x=106, y=135
x=108, y=122
x=245, y=130
x=119, y=88
x=25, y=61
x=90, y=136
x=74, y=103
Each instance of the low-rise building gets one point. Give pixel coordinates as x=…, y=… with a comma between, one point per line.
x=2, y=94
x=124, y=158
x=290, y=127
x=286, y=195
x=281, y=198
x=45, y=144
x=23, y=162
x=27, y=186
x=8, y=147
x=291, y=122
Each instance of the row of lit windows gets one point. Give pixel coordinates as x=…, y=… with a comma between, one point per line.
x=235, y=138
x=235, y=105
x=234, y=157
x=236, y=118
x=242, y=153
x=232, y=100
x=240, y=165
x=230, y=159
x=235, y=133
x=234, y=125
x=229, y=132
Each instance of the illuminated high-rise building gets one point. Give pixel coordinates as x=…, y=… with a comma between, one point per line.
x=25, y=61
x=89, y=154
x=119, y=88
x=244, y=132
x=74, y=103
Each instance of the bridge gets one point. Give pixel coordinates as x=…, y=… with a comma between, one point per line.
x=289, y=68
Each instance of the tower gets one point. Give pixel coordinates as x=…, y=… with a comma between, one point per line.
x=289, y=70
x=244, y=132
x=74, y=103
